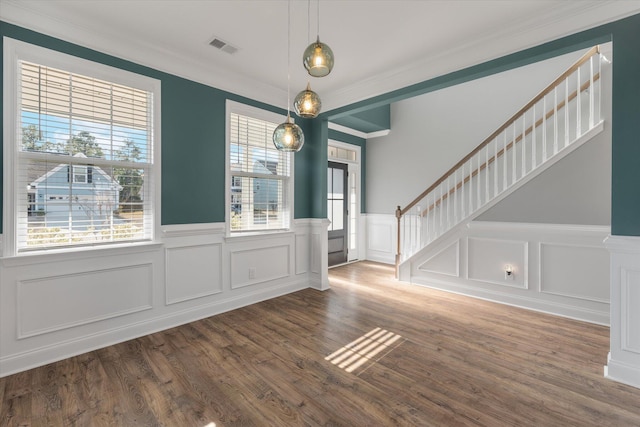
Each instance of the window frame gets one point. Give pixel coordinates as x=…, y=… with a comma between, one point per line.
x=15, y=51
x=260, y=114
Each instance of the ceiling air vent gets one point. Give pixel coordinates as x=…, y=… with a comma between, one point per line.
x=223, y=46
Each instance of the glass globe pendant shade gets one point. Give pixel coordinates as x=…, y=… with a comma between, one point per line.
x=318, y=59
x=307, y=103
x=288, y=136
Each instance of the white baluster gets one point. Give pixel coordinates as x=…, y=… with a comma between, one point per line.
x=462, y=196
x=447, y=188
x=495, y=167
x=504, y=158
x=533, y=134
x=522, y=143
x=600, y=88
x=515, y=159
x=578, y=106
x=566, y=114
x=434, y=231
x=440, y=209
x=592, y=94
x=427, y=219
x=486, y=174
x=555, y=123
x=455, y=196
x=479, y=192
x=470, y=186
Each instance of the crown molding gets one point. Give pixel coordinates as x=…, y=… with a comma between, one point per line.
x=560, y=21
x=140, y=52
x=359, y=134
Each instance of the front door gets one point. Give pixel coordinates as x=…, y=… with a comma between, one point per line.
x=337, y=212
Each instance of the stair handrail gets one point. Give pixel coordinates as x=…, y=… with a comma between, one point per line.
x=401, y=211
x=517, y=139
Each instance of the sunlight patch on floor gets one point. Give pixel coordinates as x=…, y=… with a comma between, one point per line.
x=365, y=349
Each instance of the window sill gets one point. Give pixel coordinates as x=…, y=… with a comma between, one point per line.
x=59, y=255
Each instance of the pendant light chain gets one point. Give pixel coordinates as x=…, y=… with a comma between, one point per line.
x=308, y=21
x=318, y=16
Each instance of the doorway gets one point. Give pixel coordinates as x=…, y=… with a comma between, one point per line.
x=338, y=212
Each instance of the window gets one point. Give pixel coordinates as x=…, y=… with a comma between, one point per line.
x=83, y=159
x=259, y=176
x=80, y=174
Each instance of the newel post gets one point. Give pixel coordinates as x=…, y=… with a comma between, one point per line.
x=398, y=216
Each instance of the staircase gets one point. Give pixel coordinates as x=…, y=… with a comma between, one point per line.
x=562, y=117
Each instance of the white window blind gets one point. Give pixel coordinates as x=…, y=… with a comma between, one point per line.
x=260, y=176
x=84, y=160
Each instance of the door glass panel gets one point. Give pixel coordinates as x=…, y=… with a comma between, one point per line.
x=353, y=209
x=338, y=184
x=338, y=211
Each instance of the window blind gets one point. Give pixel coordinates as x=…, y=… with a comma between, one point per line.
x=259, y=176
x=84, y=160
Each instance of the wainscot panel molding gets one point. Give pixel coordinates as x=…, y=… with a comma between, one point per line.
x=63, y=303
x=623, y=363
x=381, y=231
x=550, y=273
x=253, y=266
x=487, y=259
x=53, y=303
x=193, y=271
x=302, y=246
x=444, y=261
x=319, y=238
x=566, y=270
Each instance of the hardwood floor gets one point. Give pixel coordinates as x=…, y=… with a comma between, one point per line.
x=437, y=359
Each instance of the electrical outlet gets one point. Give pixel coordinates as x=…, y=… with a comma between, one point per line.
x=252, y=273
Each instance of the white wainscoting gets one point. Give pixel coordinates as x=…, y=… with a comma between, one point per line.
x=193, y=271
x=381, y=237
x=444, y=261
x=559, y=269
x=51, y=303
x=488, y=258
x=624, y=358
x=53, y=306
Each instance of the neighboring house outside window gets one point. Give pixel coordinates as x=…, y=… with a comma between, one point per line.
x=82, y=157
x=259, y=176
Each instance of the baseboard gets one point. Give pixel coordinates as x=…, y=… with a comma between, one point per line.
x=548, y=307
x=623, y=373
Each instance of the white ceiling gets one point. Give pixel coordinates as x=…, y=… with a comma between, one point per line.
x=379, y=45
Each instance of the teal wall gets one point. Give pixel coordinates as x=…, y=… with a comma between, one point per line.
x=317, y=191
x=362, y=143
x=193, y=138
x=625, y=34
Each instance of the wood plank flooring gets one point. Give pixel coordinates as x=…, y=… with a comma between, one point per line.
x=430, y=359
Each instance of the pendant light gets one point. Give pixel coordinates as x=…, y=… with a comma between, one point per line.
x=288, y=136
x=318, y=57
x=307, y=103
